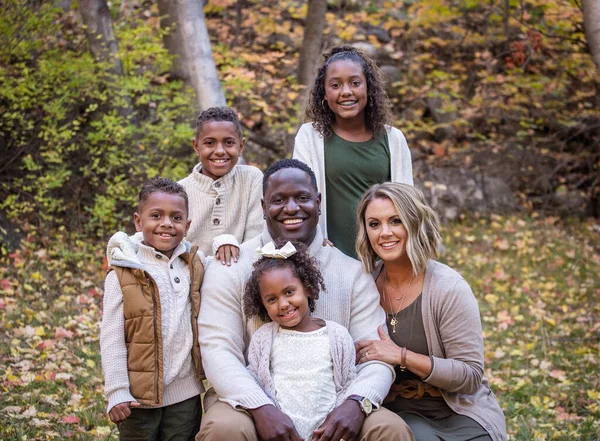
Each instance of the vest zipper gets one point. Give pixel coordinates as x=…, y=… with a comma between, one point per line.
x=156, y=361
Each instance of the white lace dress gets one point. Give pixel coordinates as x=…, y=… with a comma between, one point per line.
x=302, y=370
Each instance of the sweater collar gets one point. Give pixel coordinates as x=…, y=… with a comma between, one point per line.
x=130, y=252
x=206, y=184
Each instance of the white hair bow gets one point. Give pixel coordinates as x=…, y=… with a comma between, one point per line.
x=284, y=252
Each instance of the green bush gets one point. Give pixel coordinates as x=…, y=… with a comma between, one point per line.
x=78, y=141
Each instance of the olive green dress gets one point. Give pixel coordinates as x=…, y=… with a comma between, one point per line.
x=430, y=418
x=352, y=168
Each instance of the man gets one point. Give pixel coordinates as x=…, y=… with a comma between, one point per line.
x=291, y=206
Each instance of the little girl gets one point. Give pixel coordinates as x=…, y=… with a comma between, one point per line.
x=348, y=144
x=304, y=364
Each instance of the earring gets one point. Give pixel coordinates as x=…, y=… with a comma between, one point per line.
x=323, y=103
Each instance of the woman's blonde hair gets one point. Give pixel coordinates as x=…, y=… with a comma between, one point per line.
x=419, y=219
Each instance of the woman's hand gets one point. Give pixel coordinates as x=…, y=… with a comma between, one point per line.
x=382, y=350
x=227, y=252
x=389, y=352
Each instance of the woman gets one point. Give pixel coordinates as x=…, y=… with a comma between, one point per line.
x=435, y=337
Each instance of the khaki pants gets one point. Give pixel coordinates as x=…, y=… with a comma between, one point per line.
x=222, y=422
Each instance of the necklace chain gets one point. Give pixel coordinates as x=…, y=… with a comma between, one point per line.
x=394, y=320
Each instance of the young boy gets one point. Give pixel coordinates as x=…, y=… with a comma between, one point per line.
x=224, y=198
x=149, y=333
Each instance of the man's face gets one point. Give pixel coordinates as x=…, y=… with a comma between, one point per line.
x=291, y=206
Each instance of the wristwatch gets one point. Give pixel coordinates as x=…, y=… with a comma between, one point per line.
x=365, y=404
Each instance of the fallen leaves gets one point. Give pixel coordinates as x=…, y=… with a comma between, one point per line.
x=536, y=282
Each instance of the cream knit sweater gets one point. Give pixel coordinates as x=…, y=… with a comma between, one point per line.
x=228, y=207
x=224, y=331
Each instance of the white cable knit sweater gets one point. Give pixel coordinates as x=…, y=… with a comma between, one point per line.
x=228, y=207
x=172, y=277
x=224, y=331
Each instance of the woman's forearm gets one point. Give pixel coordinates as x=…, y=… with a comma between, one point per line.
x=418, y=364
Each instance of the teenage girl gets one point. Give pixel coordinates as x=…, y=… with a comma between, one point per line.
x=304, y=364
x=348, y=144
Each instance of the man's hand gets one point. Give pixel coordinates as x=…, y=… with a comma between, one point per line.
x=227, y=252
x=343, y=422
x=273, y=425
x=122, y=411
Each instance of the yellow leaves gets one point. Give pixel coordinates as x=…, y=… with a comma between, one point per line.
x=39, y=331
x=347, y=33
x=491, y=298
x=90, y=363
x=593, y=394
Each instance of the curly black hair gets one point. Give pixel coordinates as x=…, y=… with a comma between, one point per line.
x=378, y=110
x=303, y=266
x=218, y=114
x=289, y=163
x=161, y=185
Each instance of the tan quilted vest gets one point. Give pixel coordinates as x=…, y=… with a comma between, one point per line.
x=143, y=334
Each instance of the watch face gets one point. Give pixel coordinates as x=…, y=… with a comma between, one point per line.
x=367, y=406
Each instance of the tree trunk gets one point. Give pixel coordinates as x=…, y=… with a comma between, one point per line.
x=313, y=40
x=100, y=33
x=190, y=41
x=591, y=22
x=173, y=40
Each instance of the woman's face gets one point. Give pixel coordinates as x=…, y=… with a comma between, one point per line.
x=385, y=230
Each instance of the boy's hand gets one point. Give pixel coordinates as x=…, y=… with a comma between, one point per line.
x=327, y=242
x=122, y=411
x=226, y=252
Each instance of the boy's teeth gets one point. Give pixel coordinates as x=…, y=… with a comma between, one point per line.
x=292, y=221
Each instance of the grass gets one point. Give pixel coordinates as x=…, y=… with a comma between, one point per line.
x=537, y=282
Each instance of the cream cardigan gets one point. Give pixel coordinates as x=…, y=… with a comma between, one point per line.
x=309, y=147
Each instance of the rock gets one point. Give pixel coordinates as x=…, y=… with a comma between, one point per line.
x=382, y=35
x=367, y=48
x=568, y=204
x=434, y=104
x=10, y=236
x=392, y=75
x=452, y=191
